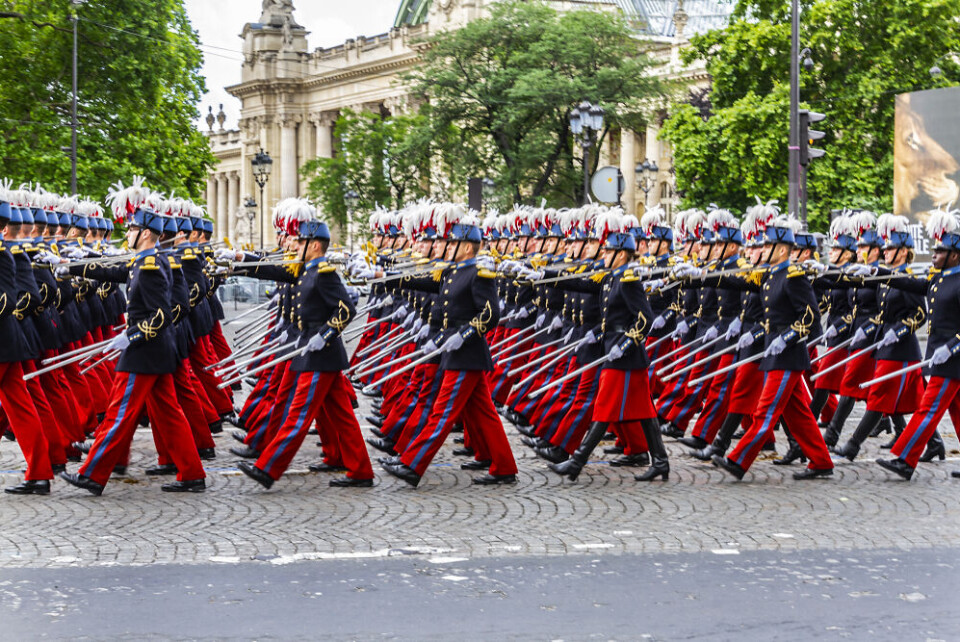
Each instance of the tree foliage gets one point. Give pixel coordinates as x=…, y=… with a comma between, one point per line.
x=865, y=52
x=387, y=161
x=502, y=88
x=139, y=86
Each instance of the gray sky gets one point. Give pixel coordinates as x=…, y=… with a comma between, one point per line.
x=220, y=22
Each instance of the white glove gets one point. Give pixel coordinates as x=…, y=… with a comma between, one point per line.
x=522, y=313
x=335, y=256
x=76, y=253
x=859, y=337
x=110, y=250
x=510, y=266
x=486, y=263
x=430, y=346
x=746, y=340
x=861, y=270
x=532, y=275
x=684, y=270
x=422, y=333
x=120, y=342
x=417, y=324
x=775, y=348
x=658, y=322
x=453, y=342
x=283, y=337
x=590, y=338
x=223, y=255
x=654, y=284
x=710, y=334
x=815, y=266
x=830, y=333
x=682, y=328
x=316, y=343
x=940, y=355
x=408, y=321
x=615, y=353
x=503, y=306
x=61, y=271
x=387, y=301
x=566, y=338
x=540, y=321
x=889, y=338
x=556, y=324
x=365, y=273
x=733, y=329
x=400, y=313
x=48, y=257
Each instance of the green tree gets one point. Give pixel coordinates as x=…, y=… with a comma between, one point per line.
x=865, y=52
x=139, y=86
x=386, y=161
x=506, y=84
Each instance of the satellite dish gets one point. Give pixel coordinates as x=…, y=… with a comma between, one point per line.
x=607, y=184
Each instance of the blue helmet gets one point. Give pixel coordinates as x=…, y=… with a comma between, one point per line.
x=461, y=232
x=148, y=219
x=313, y=230
x=621, y=241
x=804, y=241
x=6, y=213
x=779, y=234
x=207, y=226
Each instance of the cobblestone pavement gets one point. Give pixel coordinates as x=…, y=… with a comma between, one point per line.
x=301, y=518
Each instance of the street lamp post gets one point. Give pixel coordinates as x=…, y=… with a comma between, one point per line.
x=250, y=206
x=73, y=108
x=351, y=198
x=262, y=165
x=586, y=119
x=646, y=173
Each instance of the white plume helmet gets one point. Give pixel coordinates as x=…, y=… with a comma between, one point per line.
x=721, y=218
x=608, y=221
x=789, y=222
x=942, y=222
x=842, y=226
x=124, y=201
x=862, y=221
x=694, y=221
x=281, y=215
x=758, y=217
x=889, y=223
x=652, y=218
x=470, y=217
x=630, y=221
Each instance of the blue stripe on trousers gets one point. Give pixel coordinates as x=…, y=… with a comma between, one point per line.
x=626, y=390
x=586, y=407
x=771, y=410
x=926, y=420
x=443, y=420
x=716, y=407
x=92, y=462
x=300, y=419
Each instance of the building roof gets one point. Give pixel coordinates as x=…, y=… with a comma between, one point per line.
x=655, y=17
x=411, y=12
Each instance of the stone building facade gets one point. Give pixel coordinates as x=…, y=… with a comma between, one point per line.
x=291, y=97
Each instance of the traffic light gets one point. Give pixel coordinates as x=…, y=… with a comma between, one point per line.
x=810, y=136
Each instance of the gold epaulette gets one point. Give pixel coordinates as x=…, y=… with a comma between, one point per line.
x=599, y=276
x=293, y=268
x=326, y=268
x=150, y=263
x=173, y=264
x=629, y=277
x=486, y=274
x=16, y=249
x=188, y=254
x=794, y=271
x=743, y=263
x=437, y=274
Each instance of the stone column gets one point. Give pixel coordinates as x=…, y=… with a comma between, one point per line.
x=222, y=204
x=627, y=163
x=233, y=204
x=288, y=156
x=653, y=153
x=212, y=196
x=324, y=126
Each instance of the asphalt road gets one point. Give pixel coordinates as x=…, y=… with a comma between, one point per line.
x=760, y=595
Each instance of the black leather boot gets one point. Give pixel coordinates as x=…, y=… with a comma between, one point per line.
x=819, y=400
x=794, y=452
x=722, y=441
x=572, y=467
x=935, y=448
x=885, y=425
x=897, y=466
x=899, y=423
x=844, y=407
x=867, y=425
x=658, y=452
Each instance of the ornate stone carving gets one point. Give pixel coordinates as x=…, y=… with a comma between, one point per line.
x=277, y=12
